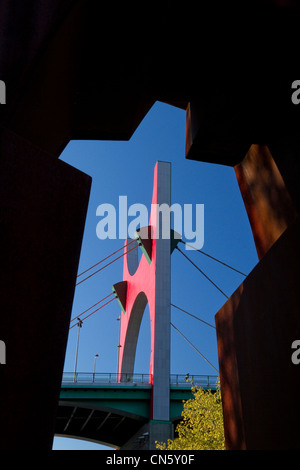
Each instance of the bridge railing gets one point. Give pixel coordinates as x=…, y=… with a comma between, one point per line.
x=205, y=381
x=105, y=378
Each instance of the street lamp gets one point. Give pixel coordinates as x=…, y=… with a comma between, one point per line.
x=96, y=355
x=79, y=324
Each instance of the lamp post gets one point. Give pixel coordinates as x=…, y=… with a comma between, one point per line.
x=118, y=373
x=96, y=355
x=79, y=324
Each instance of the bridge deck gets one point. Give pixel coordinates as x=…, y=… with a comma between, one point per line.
x=98, y=408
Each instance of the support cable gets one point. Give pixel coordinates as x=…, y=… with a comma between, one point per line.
x=128, y=251
x=104, y=259
x=93, y=312
x=215, y=285
x=194, y=347
x=194, y=316
x=104, y=298
x=215, y=259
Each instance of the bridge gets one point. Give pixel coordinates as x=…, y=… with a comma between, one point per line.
x=125, y=409
x=114, y=409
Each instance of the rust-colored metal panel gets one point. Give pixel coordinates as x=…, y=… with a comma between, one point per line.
x=267, y=201
x=255, y=331
x=43, y=203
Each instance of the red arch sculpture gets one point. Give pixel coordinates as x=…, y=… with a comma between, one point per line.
x=149, y=281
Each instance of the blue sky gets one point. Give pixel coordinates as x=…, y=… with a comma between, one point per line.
x=126, y=168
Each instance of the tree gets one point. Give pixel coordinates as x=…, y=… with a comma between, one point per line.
x=202, y=425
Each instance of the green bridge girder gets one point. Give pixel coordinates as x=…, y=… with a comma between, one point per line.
x=111, y=414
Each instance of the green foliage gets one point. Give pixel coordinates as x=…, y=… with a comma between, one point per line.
x=202, y=425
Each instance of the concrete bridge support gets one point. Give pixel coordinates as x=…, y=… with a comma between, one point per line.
x=149, y=434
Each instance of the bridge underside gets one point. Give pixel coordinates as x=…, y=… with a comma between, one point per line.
x=116, y=416
x=92, y=424
x=111, y=428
